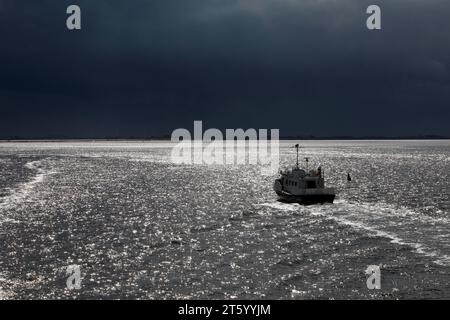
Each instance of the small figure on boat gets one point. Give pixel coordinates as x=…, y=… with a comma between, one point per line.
x=349, y=179
x=303, y=186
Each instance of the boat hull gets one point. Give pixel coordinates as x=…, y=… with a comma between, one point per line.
x=306, y=199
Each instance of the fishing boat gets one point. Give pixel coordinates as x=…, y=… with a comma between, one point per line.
x=303, y=186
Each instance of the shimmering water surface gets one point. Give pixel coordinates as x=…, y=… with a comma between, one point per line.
x=142, y=227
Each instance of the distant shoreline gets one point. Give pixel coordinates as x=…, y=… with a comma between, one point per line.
x=166, y=138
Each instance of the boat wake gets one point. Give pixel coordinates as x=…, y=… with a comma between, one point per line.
x=426, y=235
x=19, y=194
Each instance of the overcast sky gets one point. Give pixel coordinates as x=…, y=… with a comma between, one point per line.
x=307, y=67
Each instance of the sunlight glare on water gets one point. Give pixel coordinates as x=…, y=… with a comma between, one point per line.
x=142, y=227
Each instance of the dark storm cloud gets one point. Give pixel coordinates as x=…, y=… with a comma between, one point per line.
x=148, y=67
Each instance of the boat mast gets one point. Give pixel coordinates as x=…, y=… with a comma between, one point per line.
x=297, y=146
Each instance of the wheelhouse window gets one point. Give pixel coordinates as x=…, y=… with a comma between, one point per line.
x=311, y=184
